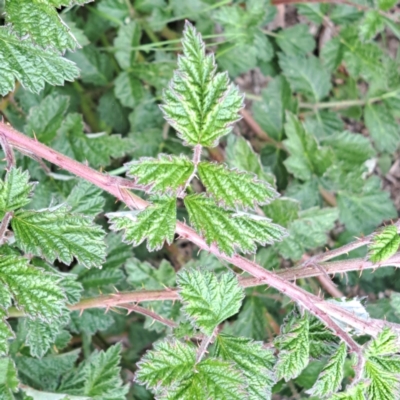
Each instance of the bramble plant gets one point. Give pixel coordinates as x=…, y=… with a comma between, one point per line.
x=177, y=290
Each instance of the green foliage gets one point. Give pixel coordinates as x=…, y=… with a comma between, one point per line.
x=384, y=244
x=240, y=230
x=156, y=223
x=207, y=300
x=9, y=379
x=165, y=174
x=199, y=103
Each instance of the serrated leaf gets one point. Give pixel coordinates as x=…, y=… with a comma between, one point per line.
x=142, y=274
x=382, y=127
x=165, y=174
x=306, y=75
x=314, y=12
x=332, y=54
x=96, y=149
x=55, y=233
x=296, y=40
x=86, y=199
x=371, y=25
x=323, y=123
x=294, y=348
x=90, y=321
x=32, y=66
x=386, y=343
x=35, y=291
x=330, y=378
x=386, y=4
x=306, y=157
x=209, y=300
x=322, y=341
x=384, y=244
x=128, y=36
x=128, y=89
x=255, y=362
x=233, y=187
x=8, y=378
x=6, y=333
x=228, y=229
x=44, y=119
x=353, y=393
x=156, y=224
x=169, y=362
x=41, y=23
x=15, y=191
x=199, y=103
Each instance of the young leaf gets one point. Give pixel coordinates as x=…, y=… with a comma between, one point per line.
x=36, y=292
x=306, y=157
x=229, y=230
x=15, y=191
x=156, y=224
x=209, y=300
x=371, y=25
x=330, y=378
x=294, y=348
x=306, y=75
x=55, y=233
x=168, y=363
x=41, y=23
x=200, y=104
x=165, y=174
x=384, y=244
x=234, y=187
x=255, y=362
x=8, y=378
x=32, y=66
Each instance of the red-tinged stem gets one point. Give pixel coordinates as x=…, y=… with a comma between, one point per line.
x=113, y=186
x=4, y=226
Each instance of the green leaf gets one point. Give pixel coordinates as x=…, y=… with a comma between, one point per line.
x=296, y=40
x=330, y=378
x=15, y=191
x=8, y=379
x=32, y=66
x=90, y=321
x=255, y=362
x=168, y=363
x=156, y=224
x=306, y=75
x=332, y=54
x=270, y=112
x=294, y=348
x=56, y=233
x=199, y=103
x=45, y=118
x=128, y=89
x=86, y=199
x=384, y=244
x=128, y=36
x=371, y=25
x=306, y=157
x=165, y=174
x=6, y=333
x=233, y=187
x=382, y=127
x=96, y=149
x=209, y=300
x=142, y=274
x=314, y=12
x=41, y=23
x=33, y=290
x=353, y=393
x=386, y=343
x=228, y=229
x=386, y=5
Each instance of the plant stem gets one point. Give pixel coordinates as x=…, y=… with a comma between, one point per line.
x=4, y=226
x=310, y=302
x=203, y=346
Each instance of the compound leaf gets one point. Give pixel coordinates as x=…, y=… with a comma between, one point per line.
x=56, y=233
x=200, y=104
x=330, y=378
x=255, y=362
x=15, y=191
x=233, y=187
x=156, y=224
x=228, y=229
x=32, y=66
x=384, y=244
x=209, y=300
x=41, y=23
x=294, y=348
x=163, y=174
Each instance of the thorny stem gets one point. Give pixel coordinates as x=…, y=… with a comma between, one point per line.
x=196, y=159
x=4, y=226
x=314, y=304
x=204, y=345
x=7, y=151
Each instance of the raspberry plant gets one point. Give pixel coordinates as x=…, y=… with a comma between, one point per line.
x=81, y=297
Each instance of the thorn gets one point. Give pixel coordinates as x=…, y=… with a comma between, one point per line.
x=34, y=136
x=81, y=312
